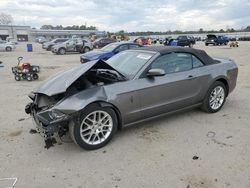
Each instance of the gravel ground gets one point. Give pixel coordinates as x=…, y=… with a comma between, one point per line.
x=186, y=150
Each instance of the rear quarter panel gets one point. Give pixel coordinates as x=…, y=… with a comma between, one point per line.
x=226, y=69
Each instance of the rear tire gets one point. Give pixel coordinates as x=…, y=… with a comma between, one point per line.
x=215, y=98
x=29, y=78
x=35, y=76
x=95, y=127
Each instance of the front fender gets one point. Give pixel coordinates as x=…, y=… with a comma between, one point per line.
x=80, y=100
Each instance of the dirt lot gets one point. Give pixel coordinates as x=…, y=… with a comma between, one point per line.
x=159, y=153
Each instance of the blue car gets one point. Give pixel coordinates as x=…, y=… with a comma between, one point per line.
x=108, y=51
x=216, y=40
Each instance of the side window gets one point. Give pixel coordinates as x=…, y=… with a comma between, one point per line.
x=122, y=48
x=132, y=46
x=196, y=62
x=174, y=62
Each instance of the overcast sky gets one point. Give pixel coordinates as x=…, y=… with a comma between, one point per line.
x=131, y=15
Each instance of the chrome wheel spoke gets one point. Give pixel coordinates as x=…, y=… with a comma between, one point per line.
x=96, y=127
x=217, y=97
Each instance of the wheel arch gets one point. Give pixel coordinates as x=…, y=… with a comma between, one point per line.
x=223, y=80
x=107, y=104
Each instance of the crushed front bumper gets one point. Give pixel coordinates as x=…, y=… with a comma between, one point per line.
x=45, y=126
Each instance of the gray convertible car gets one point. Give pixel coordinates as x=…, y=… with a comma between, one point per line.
x=93, y=100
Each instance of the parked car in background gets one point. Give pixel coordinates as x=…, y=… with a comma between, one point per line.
x=6, y=46
x=72, y=45
x=108, y=51
x=48, y=45
x=41, y=40
x=144, y=40
x=216, y=40
x=182, y=41
x=11, y=40
x=93, y=100
x=101, y=42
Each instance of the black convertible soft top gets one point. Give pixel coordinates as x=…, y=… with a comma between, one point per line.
x=201, y=54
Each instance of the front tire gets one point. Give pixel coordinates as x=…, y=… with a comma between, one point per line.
x=62, y=51
x=215, y=98
x=86, y=49
x=95, y=127
x=8, y=49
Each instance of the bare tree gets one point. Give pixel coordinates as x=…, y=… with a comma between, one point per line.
x=5, y=19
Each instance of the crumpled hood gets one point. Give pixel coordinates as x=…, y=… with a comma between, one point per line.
x=95, y=54
x=60, y=82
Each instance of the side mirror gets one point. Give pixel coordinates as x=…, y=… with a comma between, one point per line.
x=156, y=72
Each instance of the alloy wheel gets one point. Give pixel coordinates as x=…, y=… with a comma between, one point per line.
x=96, y=127
x=217, y=97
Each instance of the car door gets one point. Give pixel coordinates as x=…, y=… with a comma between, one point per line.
x=177, y=89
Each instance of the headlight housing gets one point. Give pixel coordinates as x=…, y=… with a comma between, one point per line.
x=56, y=115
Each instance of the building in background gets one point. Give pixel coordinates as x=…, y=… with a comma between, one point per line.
x=25, y=33
x=19, y=33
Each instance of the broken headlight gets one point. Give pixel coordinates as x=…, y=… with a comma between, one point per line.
x=56, y=115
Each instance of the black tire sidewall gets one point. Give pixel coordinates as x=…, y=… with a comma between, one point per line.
x=29, y=78
x=86, y=48
x=206, y=104
x=17, y=78
x=8, y=49
x=76, y=129
x=35, y=76
x=60, y=51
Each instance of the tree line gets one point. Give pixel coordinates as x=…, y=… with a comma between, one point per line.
x=169, y=32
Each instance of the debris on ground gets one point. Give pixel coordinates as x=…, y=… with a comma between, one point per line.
x=50, y=143
x=21, y=119
x=211, y=134
x=33, y=131
x=195, y=157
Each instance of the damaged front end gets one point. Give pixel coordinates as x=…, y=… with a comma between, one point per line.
x=49, y=122
x=55, y=104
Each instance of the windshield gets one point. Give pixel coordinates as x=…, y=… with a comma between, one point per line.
x=109, y=47
x=129, y=63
